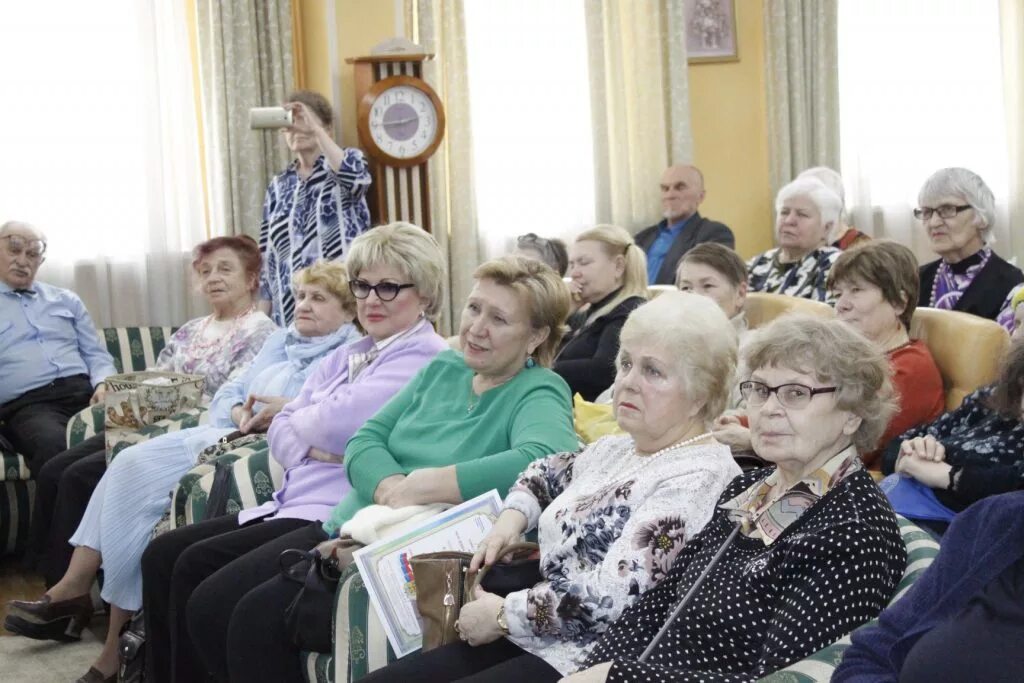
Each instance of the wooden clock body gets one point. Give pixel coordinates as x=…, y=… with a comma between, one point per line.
x=400, y=121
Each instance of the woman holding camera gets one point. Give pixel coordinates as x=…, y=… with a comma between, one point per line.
x=318, y=200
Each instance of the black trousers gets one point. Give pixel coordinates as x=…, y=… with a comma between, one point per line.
x=499, y=662
x=35, y=422
x=192, y=580
x=63, y=488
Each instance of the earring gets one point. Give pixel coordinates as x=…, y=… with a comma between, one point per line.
x=530, y=362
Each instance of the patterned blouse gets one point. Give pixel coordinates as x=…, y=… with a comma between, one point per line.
x=610, y=524
x=806, y=278
x=195, y=349
x=307, y=220
x=832, y=568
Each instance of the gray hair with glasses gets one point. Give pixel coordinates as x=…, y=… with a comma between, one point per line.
x=968, y=185
x=834, y=354
x=26, y=232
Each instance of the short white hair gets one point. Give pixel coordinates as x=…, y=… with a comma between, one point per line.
x=828, y=203
x=695, y=332
x=11, y=226
x=960, y=182
x=829, y=177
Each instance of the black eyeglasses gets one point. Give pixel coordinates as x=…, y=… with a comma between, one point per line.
x=793, y=396
x=385, y=291
x=945, y=211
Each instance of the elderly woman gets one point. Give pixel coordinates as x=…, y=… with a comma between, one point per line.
x=957, y=209
x=314, y=208
x=609, y=280
x=647, y=493
x=132, y=495
x=549, y=250
x=807, y=212
x=218, y=346
x=875, y=287
x=965, y=455
x=962, y=620
x=466, y=424
x=717, y=272
x=396, y=275
x=843, y=236
x=810, y=547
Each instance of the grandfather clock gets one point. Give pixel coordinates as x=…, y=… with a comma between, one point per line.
x=400, y=121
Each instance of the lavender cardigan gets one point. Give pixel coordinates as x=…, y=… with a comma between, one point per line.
x=327, y=412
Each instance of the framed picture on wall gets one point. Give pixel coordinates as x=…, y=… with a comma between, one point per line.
x=710, y=31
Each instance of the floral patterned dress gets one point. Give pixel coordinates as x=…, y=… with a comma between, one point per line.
x=610, y=524
x=218, y=350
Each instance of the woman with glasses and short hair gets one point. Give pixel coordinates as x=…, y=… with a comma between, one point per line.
x=818, y=550
x=957, y=210
x=466, y=424
x=396, y=276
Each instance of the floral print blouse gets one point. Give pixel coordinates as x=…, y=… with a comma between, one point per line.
x=219, y=351
x=610, y=524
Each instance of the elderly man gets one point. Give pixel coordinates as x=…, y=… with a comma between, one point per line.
x=51, y=359
x=682, y=191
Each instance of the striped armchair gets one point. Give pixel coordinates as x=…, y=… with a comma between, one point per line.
x=133, y=348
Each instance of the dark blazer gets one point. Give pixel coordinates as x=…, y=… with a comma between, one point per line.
x=984, y=296
x=697, y=230
x=586, y=359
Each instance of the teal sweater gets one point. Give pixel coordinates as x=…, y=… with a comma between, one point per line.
x=429, y=423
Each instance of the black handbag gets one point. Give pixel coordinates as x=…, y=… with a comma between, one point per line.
x=519, y=573
x=131, y=650
x=308, y=618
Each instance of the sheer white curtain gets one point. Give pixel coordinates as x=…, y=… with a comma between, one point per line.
x=533, y=144
x=99, y=149
x=921, y=88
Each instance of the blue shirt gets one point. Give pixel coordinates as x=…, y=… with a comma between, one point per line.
x=46, y=334
x=667, y=234
x=279, y=369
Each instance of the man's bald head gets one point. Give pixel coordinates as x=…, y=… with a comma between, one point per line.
x=682, y=191
x=26, y=230
x=21, y=253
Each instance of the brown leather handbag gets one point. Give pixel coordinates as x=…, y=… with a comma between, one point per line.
x=443, y=586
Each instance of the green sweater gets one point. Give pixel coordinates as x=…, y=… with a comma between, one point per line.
x=430, y=423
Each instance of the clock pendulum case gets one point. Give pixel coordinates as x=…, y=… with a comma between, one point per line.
x=400, y=121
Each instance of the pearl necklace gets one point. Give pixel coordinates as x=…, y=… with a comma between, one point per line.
x=647, y=459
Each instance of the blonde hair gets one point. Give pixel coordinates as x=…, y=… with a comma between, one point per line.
x=412, y=250
x=332, y=276
x=833, y=353
x=696, y=333
x=541, y=289
x=617, y=241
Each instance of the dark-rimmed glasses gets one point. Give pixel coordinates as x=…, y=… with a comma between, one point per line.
x=385, y=291
x=793, y=396
x=923, y=213
x=17, y=245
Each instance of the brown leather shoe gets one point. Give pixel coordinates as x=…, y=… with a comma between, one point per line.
x=93, y=675
x=44, y=619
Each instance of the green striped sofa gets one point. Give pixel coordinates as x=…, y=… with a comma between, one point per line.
x=133, y=348
x=363, y=647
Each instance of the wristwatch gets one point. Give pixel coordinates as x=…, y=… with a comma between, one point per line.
x=502, y=621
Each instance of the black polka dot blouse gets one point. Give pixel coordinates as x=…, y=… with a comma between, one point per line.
x=764, y=607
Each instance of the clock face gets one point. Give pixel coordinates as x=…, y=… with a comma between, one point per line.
x=403, y=121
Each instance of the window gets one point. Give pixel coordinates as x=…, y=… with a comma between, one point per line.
x=530, y=107
x=921, y=89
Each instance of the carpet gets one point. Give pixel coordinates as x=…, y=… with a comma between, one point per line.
x=23, y=660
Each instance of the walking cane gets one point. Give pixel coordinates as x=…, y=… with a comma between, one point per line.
x=690, y=593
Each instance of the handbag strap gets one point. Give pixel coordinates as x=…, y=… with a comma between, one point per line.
x=510, y=549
